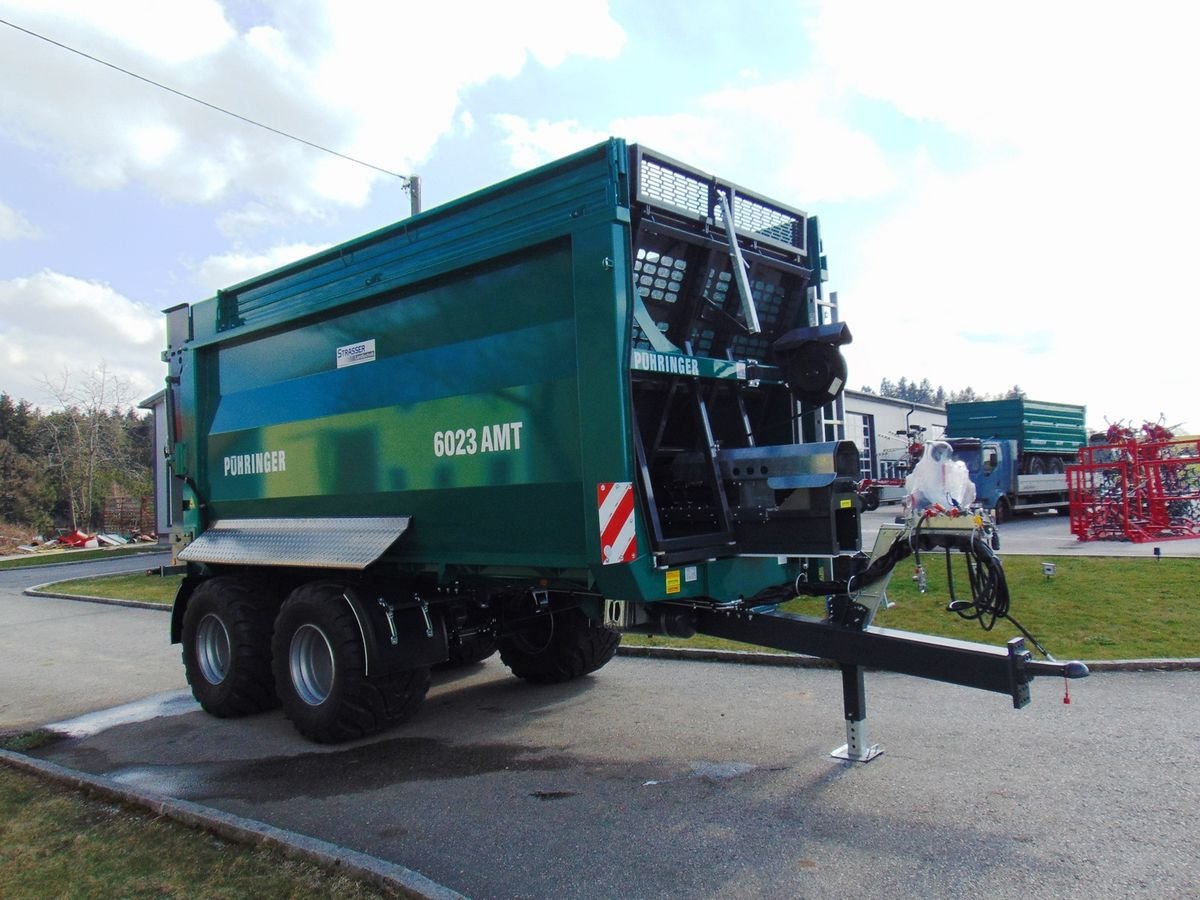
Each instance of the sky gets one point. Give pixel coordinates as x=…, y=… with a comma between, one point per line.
x=1008, y=193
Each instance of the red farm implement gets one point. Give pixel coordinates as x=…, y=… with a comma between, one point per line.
x=1136, y=489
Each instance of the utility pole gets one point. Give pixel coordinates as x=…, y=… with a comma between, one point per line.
x=414, y=193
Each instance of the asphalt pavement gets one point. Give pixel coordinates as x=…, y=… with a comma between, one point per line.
x=61, y=658
x=663, y=779
x=1049, y=534
x=656, y=778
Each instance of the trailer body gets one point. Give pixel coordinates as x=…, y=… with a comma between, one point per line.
x=600, y=396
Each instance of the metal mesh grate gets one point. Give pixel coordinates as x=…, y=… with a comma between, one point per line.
x=767, y=221
x=717, y=284
x=671, y=185
x=674, y=187
x=658, y=277
x=768, y=299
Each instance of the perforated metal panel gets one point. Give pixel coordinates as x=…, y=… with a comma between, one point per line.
x=663, y=182
x=344, y=543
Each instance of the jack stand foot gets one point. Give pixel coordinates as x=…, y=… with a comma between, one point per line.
x=856, y=748
x=854, y=697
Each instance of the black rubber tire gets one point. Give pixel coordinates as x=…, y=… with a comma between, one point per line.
x=227, y=647
x=320, y=670
x=1003, y=512
x=469, y=652
x=1056, y=466
x=563, y=646
x=1036, y=466
x=871, y=500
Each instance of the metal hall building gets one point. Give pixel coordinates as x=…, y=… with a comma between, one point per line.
x=880, y=426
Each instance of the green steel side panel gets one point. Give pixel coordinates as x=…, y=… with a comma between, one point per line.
x=466, y=370
x=514, y=215
x=1036, y=425
x=728, y=579
x=424, y=425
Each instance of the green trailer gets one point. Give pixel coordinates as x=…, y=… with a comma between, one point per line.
x=1017, y=451
x=1047, y=436
x=596, y=397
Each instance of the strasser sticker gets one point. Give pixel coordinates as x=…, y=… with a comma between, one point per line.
x=355, y=354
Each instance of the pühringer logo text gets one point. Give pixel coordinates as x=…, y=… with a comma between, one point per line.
x=255, y=463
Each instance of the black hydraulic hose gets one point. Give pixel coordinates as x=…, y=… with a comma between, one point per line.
x=990, y=599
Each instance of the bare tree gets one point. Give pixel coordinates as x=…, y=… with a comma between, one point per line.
x=84, y=435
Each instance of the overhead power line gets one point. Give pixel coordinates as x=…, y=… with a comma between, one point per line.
x=411, y=182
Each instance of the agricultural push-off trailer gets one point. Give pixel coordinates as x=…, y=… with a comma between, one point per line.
x=594, y=397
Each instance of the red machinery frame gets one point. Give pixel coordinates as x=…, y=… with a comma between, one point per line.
x=1136, y=490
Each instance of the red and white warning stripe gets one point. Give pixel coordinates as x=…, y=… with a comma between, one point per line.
x=618, y=538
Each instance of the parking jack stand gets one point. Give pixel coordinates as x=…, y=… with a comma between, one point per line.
x=854, y=697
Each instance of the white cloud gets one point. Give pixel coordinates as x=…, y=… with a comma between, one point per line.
x=372, y=81
x=228, y=269
x=1016, y=72
x=14, y=226
x=1066, y=242
x=784, y=137
x=532, y=143
x=1015, y=274
x=789, y=137
x=55, y=323
x=173, y=33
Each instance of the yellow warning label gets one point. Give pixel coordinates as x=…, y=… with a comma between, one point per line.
x=672, y=581
x=847, y=503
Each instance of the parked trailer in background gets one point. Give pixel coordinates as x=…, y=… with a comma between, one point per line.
x=1017, y=451
x=589, y=399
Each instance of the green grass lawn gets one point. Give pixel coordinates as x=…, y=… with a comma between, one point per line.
x=55, y=842
x=147, y=587
x=1093, y=607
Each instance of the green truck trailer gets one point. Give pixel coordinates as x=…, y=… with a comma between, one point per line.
x=593, y=398
x=1017, y=451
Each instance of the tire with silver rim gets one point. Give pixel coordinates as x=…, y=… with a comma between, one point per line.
x=310, y=664
x=321, y=670
x=558, y=646
x=227, y=646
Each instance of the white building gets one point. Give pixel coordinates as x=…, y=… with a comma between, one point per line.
x=880, y=427
x=164, y=515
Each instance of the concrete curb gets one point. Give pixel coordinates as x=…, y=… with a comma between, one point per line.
x=240, y=830
x=36, y=591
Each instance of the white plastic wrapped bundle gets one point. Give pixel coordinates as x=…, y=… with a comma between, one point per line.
x=939, y=480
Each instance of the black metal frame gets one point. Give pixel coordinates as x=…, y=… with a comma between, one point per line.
x=1003, y=670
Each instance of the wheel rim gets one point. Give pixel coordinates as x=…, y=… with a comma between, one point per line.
x=310, y=661
x=212, y=649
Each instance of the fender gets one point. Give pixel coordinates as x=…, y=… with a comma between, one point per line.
x=396, y=636
x=179, y=607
